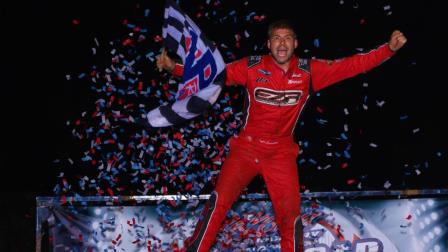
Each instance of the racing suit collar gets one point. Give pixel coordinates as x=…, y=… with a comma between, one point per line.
x=292, y=64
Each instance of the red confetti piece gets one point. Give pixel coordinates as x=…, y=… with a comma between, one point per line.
x=351, y=181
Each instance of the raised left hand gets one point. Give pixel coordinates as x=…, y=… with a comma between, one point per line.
x=397, y=40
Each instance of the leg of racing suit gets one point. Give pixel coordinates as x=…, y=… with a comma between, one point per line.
x=238, y=170
x=281, y=177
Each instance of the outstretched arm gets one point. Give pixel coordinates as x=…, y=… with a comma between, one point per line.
x=236, y=71
x=327, y=72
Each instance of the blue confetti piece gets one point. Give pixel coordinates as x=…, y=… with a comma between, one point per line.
x=136, y=166
x=321, y=121
x=305, y=144
x=248, y=17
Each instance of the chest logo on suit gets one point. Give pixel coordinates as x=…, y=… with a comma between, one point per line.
x=277, y=98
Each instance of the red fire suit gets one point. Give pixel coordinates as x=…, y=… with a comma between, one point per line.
x=265, y=144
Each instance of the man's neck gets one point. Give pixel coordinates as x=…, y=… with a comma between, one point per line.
x=284, y=66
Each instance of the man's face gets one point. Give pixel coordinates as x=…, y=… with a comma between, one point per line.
x=282, y=44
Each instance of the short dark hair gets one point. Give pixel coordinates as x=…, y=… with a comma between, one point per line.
x=280, y=24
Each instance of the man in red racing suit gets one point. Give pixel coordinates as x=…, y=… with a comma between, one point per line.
x=278, y=86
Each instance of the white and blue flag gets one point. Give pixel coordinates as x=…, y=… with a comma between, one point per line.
x=204, y=69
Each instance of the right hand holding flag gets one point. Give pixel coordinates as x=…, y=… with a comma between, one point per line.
x=164, y=62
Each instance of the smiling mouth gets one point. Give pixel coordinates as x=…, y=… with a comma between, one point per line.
x=282, y=52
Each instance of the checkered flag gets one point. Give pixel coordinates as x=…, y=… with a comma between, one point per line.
x=203, y=75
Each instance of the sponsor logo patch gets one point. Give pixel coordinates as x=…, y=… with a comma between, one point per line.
x=265, y=72
x=277, y=98
x=261, y=80
x=294, y=81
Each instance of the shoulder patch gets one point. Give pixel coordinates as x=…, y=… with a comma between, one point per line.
x=253, y=60
x=304, y=64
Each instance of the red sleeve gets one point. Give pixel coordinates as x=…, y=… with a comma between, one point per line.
x=178, y=70
x=327, y=72
x=236, y=72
